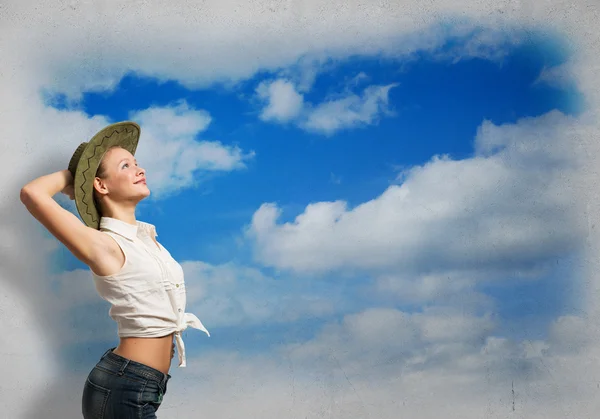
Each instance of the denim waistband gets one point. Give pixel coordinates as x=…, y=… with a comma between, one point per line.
x=120, y=365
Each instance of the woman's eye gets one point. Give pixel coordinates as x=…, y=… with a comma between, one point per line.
x=125, y=165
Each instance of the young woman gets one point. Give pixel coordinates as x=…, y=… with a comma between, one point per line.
x=131, y=270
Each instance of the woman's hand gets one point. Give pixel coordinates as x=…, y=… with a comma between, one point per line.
x=172, y=351
x=69, y=189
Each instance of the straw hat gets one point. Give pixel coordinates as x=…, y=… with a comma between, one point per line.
x=86, y=159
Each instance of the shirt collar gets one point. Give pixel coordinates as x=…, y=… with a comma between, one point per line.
x=129, y=231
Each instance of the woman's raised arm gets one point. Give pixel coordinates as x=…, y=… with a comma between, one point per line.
x=87, y=244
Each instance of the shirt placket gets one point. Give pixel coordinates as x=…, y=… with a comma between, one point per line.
x=156, y=254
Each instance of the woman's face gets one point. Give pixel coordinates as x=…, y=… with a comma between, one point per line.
x=120, y=177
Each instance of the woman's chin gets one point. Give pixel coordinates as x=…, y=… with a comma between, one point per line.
x=143, y=195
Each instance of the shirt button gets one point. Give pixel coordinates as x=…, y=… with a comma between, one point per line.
x=177, y=285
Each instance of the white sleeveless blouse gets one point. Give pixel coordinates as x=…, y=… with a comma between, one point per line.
x=147, y=295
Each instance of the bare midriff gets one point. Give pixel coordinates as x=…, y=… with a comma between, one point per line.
x=153, y=352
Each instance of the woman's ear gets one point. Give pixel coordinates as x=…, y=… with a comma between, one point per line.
x=100, y=186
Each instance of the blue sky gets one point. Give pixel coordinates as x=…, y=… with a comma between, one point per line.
x=435, y=108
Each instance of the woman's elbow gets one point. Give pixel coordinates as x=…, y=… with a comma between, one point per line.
x=27, y=195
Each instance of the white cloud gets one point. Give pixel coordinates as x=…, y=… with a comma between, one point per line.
x=173, y=121
x=283, y=101
x=174, y=130
x=426, y=288
x=350, y=111
x=230, y=295
x=382, y=342
x=557, y=76
x=511, y=207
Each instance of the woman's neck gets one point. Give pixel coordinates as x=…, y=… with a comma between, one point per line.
x=125, y=214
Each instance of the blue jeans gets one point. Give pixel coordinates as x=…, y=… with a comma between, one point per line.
x=120, y=388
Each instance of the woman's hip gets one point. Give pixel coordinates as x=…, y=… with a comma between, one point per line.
x=120, y=388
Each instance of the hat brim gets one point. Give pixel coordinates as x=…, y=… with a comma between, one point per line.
x=122, y=134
